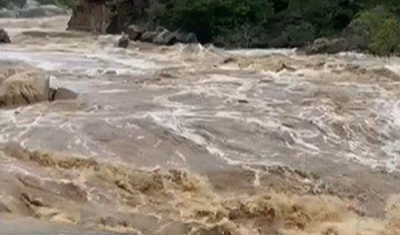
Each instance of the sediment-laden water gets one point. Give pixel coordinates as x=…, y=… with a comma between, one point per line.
x=198, y=140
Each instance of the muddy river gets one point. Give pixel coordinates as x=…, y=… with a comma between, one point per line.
x=193, y=139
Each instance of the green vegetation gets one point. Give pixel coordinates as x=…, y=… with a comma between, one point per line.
x=378, y=30
x=284, y=23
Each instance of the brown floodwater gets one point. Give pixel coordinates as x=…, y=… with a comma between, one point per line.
x=193, y=139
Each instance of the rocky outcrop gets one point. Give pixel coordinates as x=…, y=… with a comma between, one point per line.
x=326, y=46
x=4, y=38
x=128, y=16
x=106, y=16
x=161, y=36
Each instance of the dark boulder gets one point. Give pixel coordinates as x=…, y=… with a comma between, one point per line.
x=123, y=41
x=62, y=94
x=4, y=38
x=163, y=36
x=134, y=32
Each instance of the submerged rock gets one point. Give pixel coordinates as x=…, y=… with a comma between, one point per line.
x=4, y=38
x=24, y=88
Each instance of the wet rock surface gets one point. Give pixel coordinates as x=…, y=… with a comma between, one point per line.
x=326, y=46
x=4, y=37
x=123, y=41
x=24, y=88
x=21, y=88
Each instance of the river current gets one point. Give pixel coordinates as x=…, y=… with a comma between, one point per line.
x=180, y=139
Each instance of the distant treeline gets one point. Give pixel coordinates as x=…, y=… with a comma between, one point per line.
x=372, y=24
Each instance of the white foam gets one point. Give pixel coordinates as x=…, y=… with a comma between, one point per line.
x=111, y=91
x=261, y=52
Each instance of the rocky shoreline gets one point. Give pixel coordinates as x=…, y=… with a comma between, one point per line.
x=131, y=18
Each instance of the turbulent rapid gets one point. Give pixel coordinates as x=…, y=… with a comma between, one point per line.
x=192, y=139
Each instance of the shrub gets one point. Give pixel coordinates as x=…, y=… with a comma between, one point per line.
x=386, y=41
x=300, y=34
x=377, y=30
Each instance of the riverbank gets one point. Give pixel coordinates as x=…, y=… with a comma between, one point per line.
x=330, y=26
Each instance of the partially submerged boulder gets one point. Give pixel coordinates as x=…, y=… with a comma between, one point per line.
x=134, y=32
x=24, y=88
x=123, y=41
x=4, y=38
x=161, y=36
x=327, y=46
x=62, y=94
x=29, y=87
